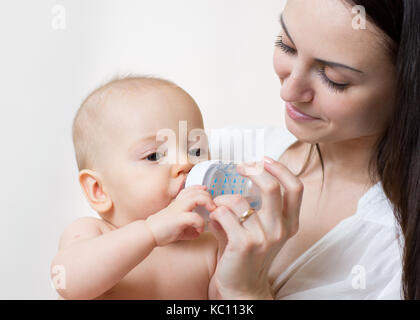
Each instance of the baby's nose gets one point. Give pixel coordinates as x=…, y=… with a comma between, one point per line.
x=181, y=168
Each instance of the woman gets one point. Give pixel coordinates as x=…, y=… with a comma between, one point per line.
x=346, y=226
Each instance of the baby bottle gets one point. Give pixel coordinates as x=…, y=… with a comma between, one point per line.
x=222, y=178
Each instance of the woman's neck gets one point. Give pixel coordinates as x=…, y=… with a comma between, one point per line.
x=347, y=160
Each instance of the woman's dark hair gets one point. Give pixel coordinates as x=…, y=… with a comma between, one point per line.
x=395, y=160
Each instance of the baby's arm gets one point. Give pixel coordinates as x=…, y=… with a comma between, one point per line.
x=95, y=261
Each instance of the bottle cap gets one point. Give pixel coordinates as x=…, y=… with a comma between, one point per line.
x=198, y=172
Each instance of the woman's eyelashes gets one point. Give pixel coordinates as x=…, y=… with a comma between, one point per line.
x=336, y=87
x=279, y=43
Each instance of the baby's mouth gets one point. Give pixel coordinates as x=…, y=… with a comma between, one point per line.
x=182, y=186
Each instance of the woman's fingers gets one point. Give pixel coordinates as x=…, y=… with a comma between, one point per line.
x=252, y=245
x=235, y=202
x=230, y=224
x=278, y=217
x=275, y=178
x=239, y=206
x=293, y=187
x=271, y=197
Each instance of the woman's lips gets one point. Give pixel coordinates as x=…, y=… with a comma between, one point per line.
x=298, y=115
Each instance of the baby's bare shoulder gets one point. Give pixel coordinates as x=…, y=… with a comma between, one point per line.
x=81, y=229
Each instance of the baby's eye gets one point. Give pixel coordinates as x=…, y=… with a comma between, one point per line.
x=155, y=156
x=195, y=152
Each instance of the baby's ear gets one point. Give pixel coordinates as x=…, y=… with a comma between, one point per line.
x=92, y=186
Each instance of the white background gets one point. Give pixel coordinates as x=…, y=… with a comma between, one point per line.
x=220, y=51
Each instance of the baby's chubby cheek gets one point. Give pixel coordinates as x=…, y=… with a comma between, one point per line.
x=150, y=198
x=139, y=192
x=156, y=200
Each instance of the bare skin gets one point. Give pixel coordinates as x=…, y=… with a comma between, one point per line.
x=348, y=124
x=162, y=274
x=320, y=212
x=148, y=242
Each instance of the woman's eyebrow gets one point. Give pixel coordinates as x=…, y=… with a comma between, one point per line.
x=328, y=63
x=285, y=29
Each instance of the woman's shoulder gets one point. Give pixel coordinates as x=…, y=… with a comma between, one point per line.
x=374, y=206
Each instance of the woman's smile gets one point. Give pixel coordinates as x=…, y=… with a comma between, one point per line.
x=295, y=114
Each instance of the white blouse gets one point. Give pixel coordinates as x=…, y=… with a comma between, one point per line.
x=360, y=258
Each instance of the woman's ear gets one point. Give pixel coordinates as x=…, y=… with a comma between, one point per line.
x=93, y=189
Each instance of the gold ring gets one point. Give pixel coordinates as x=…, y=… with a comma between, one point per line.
x=246, y=215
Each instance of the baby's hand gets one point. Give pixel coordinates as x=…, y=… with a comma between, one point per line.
x=177, y=221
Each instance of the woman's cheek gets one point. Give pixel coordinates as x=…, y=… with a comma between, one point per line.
x=354, y=122
x=360, y=110
x=280, y=64
x=337, y=107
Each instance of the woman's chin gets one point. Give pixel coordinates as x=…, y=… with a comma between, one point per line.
x=302, y=132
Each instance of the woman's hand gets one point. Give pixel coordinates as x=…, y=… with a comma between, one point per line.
x=247, y=249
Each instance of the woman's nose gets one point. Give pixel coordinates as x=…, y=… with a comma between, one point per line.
x=296, y=88
x=295, y=78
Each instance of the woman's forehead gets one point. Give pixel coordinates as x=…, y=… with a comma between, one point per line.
x=325, y=30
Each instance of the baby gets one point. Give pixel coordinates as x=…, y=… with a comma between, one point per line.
x=134, y=251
